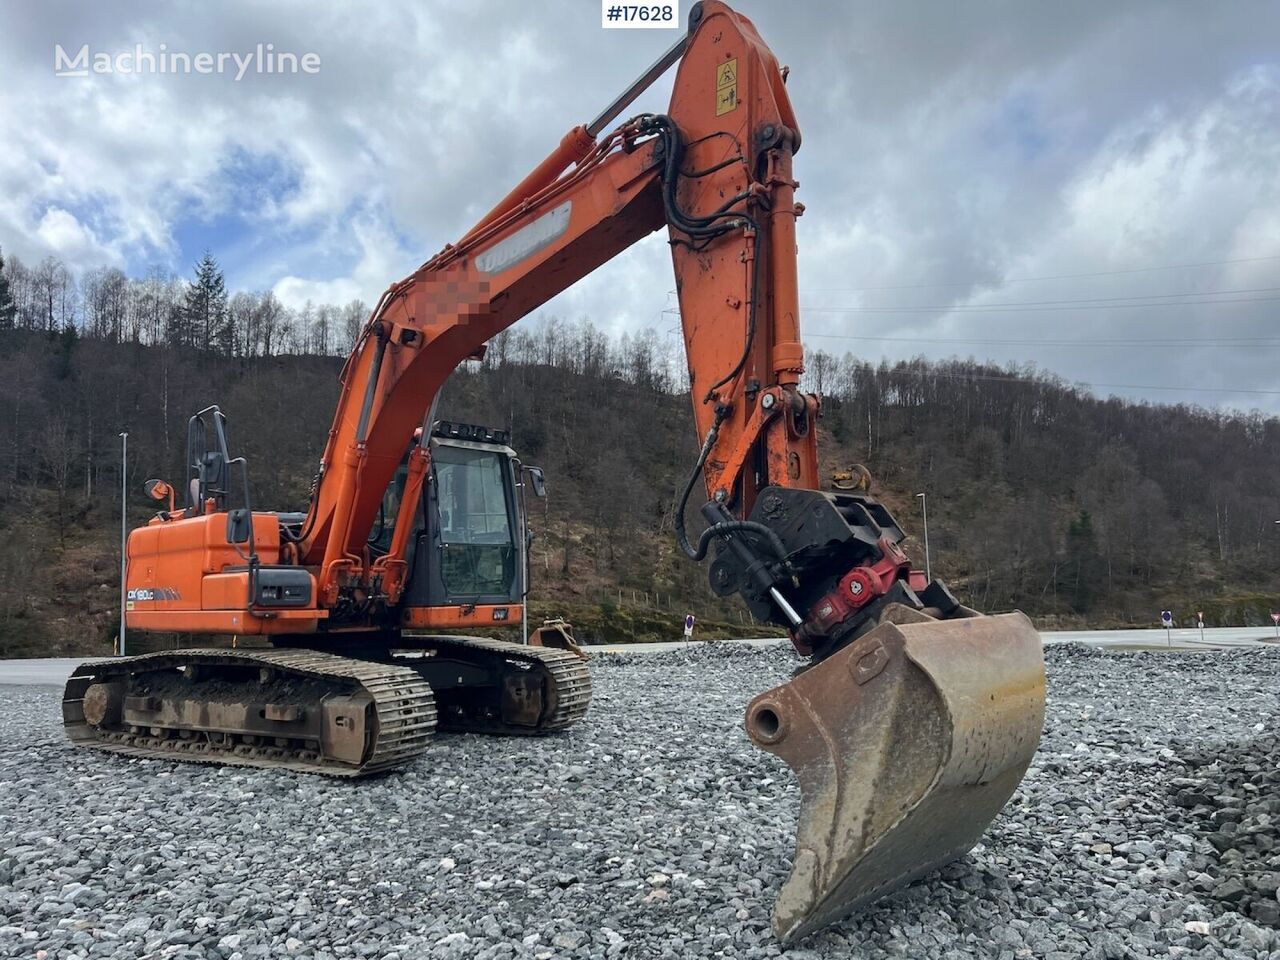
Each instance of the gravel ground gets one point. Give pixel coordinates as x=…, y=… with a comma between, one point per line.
x=653, y=830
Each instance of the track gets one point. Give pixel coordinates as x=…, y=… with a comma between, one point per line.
x=317, y=712
x=560, y=687
x=400, y=718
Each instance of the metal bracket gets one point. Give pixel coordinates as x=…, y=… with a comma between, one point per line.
x=742, y=449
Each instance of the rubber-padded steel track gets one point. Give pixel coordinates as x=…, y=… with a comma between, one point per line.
x=404, y=710
x=567, y=680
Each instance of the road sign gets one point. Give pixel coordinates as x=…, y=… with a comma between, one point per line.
x=1275, y=618
x=688, y=625
x=1166, y=617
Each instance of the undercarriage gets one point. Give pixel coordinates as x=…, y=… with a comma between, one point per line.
x=314, y=711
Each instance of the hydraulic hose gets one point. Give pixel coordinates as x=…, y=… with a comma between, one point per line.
x=682, y=536
x=725, y=527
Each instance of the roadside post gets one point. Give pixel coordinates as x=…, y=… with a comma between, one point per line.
x=1166, y=618
x=1275, y=618
x=124, y=536
x=688, y=626
x=1200, y=620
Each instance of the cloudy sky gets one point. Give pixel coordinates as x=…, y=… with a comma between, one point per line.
x=1093, y=188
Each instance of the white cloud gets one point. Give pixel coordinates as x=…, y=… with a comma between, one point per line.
x=948, y=151
x=62, y=232
x=381, y=257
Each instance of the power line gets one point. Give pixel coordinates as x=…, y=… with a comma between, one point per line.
x=1059, y=276
x=1132, y=296
x=1236, y=342
x=1031, y=381
x=1261, y=341
x=1033, y=306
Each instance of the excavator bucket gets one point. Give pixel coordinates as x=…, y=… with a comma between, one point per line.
x=907, y=743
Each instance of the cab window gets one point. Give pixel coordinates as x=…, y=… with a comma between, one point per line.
x=478, y=556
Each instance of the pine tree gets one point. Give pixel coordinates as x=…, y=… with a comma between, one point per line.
x=7, y=308
x=1085, y=561
x=204, y=308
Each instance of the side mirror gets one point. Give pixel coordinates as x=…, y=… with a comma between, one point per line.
x=537, y=480
x=239, y=525
x=159, y=490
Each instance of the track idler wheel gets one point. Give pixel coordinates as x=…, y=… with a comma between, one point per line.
x=104, y=704
x=907, y=744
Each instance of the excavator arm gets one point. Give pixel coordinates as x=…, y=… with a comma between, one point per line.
x=918, y=717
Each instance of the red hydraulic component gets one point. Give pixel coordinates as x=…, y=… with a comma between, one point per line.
x=856, y=589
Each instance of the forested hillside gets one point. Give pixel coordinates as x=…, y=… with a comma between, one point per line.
x=1042, y=497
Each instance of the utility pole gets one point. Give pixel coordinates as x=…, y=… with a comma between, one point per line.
x=924, y=510
x=124, y=530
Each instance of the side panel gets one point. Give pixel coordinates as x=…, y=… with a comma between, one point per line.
x=184, y=577
x=168, y=560
x=479, y=615
x=225, y=621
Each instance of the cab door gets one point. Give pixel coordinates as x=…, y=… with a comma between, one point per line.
x=468, y=550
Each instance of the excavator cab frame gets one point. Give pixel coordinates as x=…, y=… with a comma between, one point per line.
x=467, y=549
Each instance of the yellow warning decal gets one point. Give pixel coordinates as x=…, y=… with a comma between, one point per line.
x=727, y=75
x=726, y=100
x=726, y=86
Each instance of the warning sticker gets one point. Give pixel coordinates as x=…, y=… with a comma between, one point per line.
x=727, y=75
x=726, y=100
x=726, y=86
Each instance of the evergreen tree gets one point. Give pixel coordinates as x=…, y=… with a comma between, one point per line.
x=1084, y=561
x=204, y=308
x=7, y=308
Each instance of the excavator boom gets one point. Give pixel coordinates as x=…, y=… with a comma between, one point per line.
x=916, y=717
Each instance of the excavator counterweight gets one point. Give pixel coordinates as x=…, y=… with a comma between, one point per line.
x=916, y=718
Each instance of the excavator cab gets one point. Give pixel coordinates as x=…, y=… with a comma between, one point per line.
x=466, y=547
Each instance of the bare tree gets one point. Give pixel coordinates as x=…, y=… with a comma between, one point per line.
x=55, y=294
x=354, y=316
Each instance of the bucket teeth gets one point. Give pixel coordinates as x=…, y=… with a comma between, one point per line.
x=907, y=744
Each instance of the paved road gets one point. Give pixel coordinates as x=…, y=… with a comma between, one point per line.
x=51, y=672
x=54, y=671
x=1178, y=639
x=1213, y=638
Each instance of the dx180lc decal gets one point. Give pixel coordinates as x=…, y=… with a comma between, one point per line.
x=146, y=594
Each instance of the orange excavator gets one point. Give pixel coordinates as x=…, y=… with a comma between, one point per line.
x=915, y=718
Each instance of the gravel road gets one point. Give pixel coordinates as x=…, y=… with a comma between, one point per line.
x=1146, y=827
